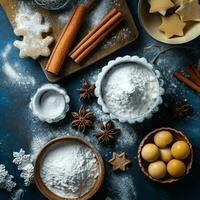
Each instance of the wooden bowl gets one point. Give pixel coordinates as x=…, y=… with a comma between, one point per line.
x=149, y=138
x=152, y=21
x=45, y=191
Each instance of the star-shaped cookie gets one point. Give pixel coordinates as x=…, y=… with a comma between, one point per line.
x=189, y=10
x=119, y=161
x=172, y=26
x=160, y=6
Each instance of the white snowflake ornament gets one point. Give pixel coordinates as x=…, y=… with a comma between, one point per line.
x=24, y=163
x=6, y=180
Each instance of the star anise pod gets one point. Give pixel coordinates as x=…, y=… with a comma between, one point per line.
x=107, y=132
x=182, y=109
x=82, y=119
x=87, y=90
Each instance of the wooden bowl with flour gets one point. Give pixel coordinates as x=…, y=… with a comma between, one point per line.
x=80, y=168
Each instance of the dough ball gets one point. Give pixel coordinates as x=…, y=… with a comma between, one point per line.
x=163, y=138
x=157, y=169
x=150, y=152
x=176, y=168
x=165, y=154
x=180, y=150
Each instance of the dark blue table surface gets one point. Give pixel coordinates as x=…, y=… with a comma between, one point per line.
x=18, y=129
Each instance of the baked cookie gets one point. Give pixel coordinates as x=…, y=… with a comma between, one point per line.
x=119, y=161
x=31, y=28
x=160, y=6
x=172, y=26
x=189, y=10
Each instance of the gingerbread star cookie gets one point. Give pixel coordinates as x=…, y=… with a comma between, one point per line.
x=31, y=28
x=119, y=161
x=160, y=6
x=172, y=26
x=189, y=10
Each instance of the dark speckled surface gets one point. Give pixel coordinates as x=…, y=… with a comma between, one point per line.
x=17, y=127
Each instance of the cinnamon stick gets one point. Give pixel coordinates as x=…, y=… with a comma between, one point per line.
x=95, y=29
x=196, y=72
x=96, y=43
x=96, y=36
x=186, y=81
x=65, y=40
x=192, y=74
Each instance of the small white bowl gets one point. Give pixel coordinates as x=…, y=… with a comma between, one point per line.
x=50, y=103
x=119, y=61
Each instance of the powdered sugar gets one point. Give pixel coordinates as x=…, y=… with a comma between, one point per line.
x=122, y=187
x=11, y=69
x=130, y=90
x=66, y=166
x=122, y=35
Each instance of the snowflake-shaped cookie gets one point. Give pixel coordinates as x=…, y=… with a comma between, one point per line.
x=31, y=27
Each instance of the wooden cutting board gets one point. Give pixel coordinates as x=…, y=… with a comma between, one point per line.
x=124, y=34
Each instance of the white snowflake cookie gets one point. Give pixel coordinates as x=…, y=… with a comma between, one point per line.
x=31, y=27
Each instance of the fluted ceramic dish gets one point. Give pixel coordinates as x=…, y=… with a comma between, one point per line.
x=115, y=63
x=36, y=101
x=149, y=138
x=53, y=5
x=152, y=21
x=41, y=186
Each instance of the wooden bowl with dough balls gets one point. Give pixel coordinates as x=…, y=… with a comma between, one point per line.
x=165, y=155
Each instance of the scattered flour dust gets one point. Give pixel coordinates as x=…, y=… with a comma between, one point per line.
x=121, y=187
x=12, y=69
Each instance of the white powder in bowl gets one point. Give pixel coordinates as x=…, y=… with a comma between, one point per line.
x=130, y=90
x=69, y=169
x=51, y=103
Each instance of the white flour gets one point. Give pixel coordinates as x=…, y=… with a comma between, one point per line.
x=130, y=90
x=121, y=187
x=69, y=169
x=12, y=69
x=52, y=104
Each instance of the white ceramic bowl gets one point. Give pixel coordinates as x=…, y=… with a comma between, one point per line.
x=152, y=21
x=119, y=61
x=49, y=110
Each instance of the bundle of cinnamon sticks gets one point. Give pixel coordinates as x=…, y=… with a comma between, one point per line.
x=87, y=44
x=96, y=36
x=193, y=79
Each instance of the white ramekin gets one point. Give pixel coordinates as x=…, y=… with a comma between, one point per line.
x=120, y=60
x=34, y=104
